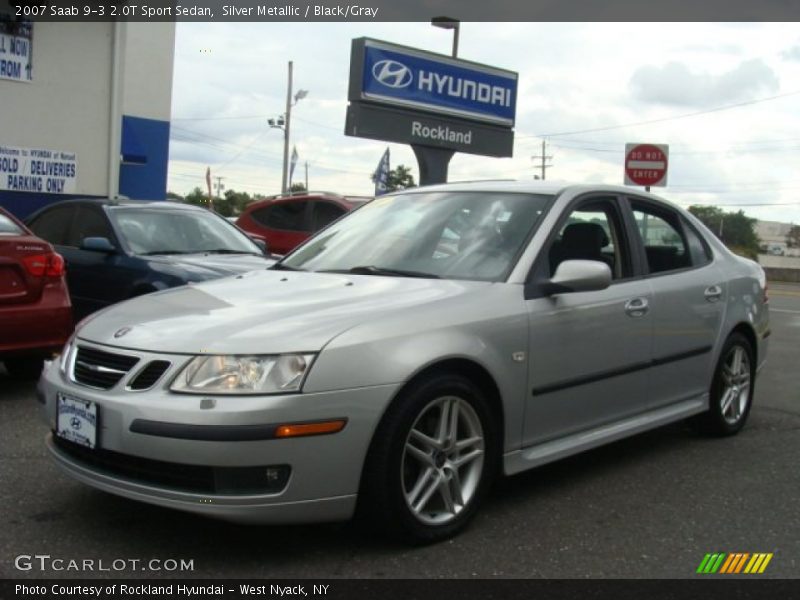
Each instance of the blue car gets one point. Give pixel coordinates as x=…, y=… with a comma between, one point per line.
x=115, y=250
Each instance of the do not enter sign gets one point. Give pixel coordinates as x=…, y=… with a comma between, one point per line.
x=646, y=164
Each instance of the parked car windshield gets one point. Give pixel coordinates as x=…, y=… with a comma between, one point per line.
x=449, y=235
x=159, y=231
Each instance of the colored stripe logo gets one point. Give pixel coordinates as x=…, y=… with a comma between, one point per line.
x=734, y=563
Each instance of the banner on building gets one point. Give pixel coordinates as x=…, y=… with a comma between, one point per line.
x=16, y=51
x=38, y=171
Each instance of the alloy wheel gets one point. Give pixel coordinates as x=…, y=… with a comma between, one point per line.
x=442, y=461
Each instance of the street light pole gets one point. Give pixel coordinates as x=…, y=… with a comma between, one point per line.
x=285, y=174
x=449, y=23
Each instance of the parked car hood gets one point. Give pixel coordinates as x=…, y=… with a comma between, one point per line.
x=200, y=267
x=263, y=311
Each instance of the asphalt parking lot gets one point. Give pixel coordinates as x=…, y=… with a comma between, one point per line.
x=651, y=506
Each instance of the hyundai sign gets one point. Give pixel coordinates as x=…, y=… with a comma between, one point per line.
x=405, y=77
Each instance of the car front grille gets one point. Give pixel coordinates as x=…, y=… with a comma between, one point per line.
x=176, y=476
x=147, y=377
x=99, y=369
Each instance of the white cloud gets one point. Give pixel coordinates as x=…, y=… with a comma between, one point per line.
x=676, y=85
x=573, y=77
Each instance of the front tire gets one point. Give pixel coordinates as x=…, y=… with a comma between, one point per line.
x=432, y=460
x=731, y=389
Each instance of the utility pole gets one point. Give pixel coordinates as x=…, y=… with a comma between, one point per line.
x=285, y=173
x=544, y=157
x=219, y=186
x=306, y=163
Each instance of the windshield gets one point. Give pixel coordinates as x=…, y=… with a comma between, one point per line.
x=452, y=235
x=159, y=231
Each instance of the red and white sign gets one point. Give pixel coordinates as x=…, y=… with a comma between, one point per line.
x=646, y=164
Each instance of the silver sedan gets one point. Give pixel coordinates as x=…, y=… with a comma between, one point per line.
x=399, y=360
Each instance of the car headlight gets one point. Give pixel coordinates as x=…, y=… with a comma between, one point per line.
x=243, y=374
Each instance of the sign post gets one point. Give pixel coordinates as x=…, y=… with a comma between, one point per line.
x=646, y=164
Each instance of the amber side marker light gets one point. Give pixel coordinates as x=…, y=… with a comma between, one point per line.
x=302, y=429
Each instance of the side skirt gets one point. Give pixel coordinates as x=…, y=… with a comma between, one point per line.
x=534, y=456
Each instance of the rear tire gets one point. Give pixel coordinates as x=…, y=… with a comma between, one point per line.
x=731, y=389
x=432, y=460
x=24, y=368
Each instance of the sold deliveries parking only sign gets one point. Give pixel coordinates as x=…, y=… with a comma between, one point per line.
x=38, y=170
x=646, y=164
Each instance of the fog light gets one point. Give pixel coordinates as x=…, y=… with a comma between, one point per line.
x=270, y=479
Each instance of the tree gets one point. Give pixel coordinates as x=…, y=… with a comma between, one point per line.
x=793, y=237
x=399, y=178
x=174, y=197
x=736, y=230
x=298, y=187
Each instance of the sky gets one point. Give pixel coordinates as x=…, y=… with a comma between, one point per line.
x=725, y=97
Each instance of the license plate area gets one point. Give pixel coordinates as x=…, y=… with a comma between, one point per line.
x=76, y=420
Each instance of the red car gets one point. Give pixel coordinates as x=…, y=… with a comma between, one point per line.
x=287, y=220
x=35, y=311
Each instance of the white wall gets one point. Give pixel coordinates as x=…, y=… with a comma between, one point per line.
x=148, y=58
x=66, y=105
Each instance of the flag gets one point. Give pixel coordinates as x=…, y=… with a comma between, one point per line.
x=208, y=184
x=382, y=174
x=292, y=165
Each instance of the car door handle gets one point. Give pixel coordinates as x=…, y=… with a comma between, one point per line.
x=713, y=293
x=637, y=307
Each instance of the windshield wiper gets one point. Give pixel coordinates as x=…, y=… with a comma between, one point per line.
x=282, y=267
x=228, y=251
x=155, y=252
x=373, y=270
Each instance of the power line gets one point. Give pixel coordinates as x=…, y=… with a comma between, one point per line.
x=664, y=119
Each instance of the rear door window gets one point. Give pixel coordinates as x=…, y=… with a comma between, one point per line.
x=325, y=213
x=289, y=216
x=53, y=225
x=663, y=236
x=90, y=223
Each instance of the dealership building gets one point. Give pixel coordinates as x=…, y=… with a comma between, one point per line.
x=84, y=110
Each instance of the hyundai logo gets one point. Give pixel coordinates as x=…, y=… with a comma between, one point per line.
x=392, y=74
x=121, y=332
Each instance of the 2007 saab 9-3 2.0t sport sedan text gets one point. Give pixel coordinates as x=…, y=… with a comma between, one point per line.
x=405, y=355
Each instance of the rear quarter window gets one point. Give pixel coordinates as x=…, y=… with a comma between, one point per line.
x=8, y=227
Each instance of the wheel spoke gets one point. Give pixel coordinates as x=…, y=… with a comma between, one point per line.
x=727, y=399
x=444, y=420
x=425, y=440
x=447, y=496
x=424, y=457
x=467, y=442
x=467, y=458
x=426, y=485
x=455, y=486
x=452, y=425
x=736, y=367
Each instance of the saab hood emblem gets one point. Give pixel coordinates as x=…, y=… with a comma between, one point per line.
x=392, y=74
x=120, y=332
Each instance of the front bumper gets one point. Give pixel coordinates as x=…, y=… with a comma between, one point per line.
x=325, y=469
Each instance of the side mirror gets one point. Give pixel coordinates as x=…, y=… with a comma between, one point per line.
x=578, y=276
x=98, y=244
